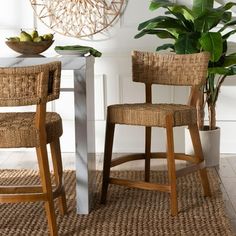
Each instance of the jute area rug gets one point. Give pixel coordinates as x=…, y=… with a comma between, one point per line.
x=128, y=212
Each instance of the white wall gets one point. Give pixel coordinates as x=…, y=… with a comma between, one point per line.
x=113, y=77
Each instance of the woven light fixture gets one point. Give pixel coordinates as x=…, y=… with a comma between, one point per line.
x=78, y=18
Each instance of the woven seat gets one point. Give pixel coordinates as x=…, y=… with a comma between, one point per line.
x=147, y=114
x=25, y=86
x=18, y=129
x=165, y=69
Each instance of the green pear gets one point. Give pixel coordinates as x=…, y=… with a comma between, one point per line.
x=38, y=39
x=48, y=36
x=13, y=39
x=34, y=34
x=25, y=37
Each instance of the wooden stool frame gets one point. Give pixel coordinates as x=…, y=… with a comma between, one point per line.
x=148, y=67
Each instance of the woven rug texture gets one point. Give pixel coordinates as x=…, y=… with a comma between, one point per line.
x=128, y=212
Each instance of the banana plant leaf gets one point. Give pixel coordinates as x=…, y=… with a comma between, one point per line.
x=207, y=20
x=226, y=17
x=232, y=70
x=167, y=24
x=175, y=32
x=181, y=12
x=224, y=37
x=184, y=11
x=165, y=46
x=227, y=6
x=163, y=34
x=213, y=43
x=200, y=5
x=226, y=25
x=227, y=71
x=218, y=70
x=186, y=23
x=155, y=20
x=187, y=43
x=155, y=4
x=229, y=60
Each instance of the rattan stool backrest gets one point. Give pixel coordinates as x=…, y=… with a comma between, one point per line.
x=31, y=85
x=170, y=69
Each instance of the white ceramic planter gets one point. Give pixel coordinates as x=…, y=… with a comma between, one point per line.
x=210, y=140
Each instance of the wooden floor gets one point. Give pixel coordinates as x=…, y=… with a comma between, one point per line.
x=226, y=172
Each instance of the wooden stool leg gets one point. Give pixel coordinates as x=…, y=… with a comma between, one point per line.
x=171, y=166
x=193, y=129
x=107, y=159
x=58, y=171
x=147, y=153
x=47, y=188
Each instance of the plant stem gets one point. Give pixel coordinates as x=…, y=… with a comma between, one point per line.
x=200, y=110
x=212, y=116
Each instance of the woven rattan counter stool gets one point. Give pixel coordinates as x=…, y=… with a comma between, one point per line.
x=165, y=69
x=33, y=85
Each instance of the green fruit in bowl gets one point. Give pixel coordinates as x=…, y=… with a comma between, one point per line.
x=48, y=36
x=38, y=39
x=34, y=34
x=13, y=39
x=25, y=37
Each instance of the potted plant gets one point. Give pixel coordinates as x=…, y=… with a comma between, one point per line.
x=192, y=30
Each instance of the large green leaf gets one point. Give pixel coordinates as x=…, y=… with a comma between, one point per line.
x=175, y=32
x=223, y=70
x=226, y=7
x=153, y=20
x=226, y=17
x=165, y=46
x=166, y=24
x=163, y=34
x=226, y=36
x=199, y=6
x=207, y=20
x=226, y=25
x=186, y=23
x=155, y=4
x=232, y=70
x=187, y=44
x=230, y=60
x=218, y=70
x=183, y=10
x=213, y=43
x=210, y=17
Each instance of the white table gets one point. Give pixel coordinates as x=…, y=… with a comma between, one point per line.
x=83, y=68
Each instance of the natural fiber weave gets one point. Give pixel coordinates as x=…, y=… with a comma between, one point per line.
x=17, y=129
x=147, y=114
x=172, y=69
x=30, y=85
x=128, y=212
x=78, y=18
x=169, y=69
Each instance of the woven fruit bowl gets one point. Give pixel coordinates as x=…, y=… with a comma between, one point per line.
x=29, y=48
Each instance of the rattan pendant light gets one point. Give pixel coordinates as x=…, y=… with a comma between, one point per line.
x=78, y=18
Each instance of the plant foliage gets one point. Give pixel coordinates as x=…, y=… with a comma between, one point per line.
x=201, y=28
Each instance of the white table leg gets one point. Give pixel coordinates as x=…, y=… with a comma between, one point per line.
x=84, y=139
